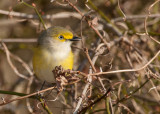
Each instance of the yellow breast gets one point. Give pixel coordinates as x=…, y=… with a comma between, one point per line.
x=45, y=61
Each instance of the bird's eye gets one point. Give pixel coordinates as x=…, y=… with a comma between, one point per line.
x=60, y=37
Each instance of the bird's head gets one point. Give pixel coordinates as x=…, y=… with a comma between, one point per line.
x=56, y=36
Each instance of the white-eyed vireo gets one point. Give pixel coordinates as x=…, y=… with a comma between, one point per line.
x=53, y=49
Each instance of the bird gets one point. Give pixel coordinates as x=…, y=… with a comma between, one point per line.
x=53, y=49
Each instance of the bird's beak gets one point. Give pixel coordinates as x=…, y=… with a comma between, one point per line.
x=75, y=39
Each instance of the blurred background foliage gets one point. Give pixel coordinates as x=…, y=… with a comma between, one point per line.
x=137, y=52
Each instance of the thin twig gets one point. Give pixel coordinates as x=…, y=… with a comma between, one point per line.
x=135, y=17
x=125, y=107
x=11, y=64
x=89, y=59
x=145, y=22
x=130, y=94
x=128, y=70
x=34, y=7
x=18, y=40
x=28, y=91
x=28, y=96
x=83, y=93
x=95, y=30
x=124, y=18
x=96, y=101
x=31, y=16
x=25, y=65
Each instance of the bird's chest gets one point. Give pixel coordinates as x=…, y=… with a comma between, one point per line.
x=52, y=59
x=59, y=55
x=49, y=59
x=45, y=61
x=65, y=59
